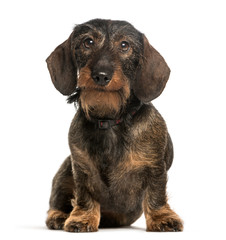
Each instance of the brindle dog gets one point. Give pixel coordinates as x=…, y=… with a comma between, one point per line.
x=120, y=146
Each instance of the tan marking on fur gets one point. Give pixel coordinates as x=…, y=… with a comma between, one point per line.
x=52, y=213
x=84, y=220
x=132, y=162
x=163, y=219
x=141, y=159
x=101, y=103
x=88, y=167
x=56, y=219
x=85, y=163
x=117, y=82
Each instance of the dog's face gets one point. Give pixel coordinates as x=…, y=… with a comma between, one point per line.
x=107, y=60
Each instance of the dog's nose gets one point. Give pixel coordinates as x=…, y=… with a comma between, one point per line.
x=102, y=78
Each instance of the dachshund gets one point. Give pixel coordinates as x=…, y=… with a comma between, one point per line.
x=119, y=143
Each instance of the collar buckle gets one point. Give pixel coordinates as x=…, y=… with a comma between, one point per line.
x=104, y=124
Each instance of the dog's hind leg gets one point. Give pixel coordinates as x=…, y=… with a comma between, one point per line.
x=169, y=153
x=61, y=195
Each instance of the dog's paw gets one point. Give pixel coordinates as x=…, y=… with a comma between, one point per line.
x=56, y=219
x=56, y=224
x=73, y=226
x=166, y=225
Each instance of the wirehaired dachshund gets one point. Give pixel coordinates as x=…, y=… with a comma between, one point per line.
x=120, y=147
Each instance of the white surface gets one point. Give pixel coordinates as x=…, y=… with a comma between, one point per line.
x=35, y=118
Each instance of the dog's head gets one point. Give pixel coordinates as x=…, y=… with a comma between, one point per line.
x=107, y=60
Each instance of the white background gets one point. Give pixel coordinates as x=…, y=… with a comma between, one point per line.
x=35, y=117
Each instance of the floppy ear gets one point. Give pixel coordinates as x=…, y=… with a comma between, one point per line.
x=152, y=74
x=62, y=69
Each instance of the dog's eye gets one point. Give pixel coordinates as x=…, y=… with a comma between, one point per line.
x=88, y=43
x=124, y=46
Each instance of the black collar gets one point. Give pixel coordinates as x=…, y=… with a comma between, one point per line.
x=109, y=123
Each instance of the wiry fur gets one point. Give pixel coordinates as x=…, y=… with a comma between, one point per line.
x=112, y=174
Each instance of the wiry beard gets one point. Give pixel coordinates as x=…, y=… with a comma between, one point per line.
x=102, y=104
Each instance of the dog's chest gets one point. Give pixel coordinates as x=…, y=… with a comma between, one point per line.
x=106, y=149
x=123, y=177
x=125, y=186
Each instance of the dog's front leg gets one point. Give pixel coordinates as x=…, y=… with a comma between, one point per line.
x=159, y=216
x=84, y=219
x=85, y=216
